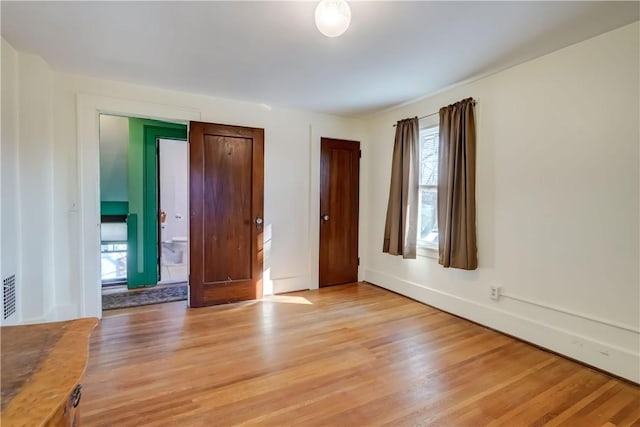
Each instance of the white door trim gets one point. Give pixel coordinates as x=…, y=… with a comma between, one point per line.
x=88, y=108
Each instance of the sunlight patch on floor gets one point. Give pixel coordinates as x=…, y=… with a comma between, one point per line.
x=288, y=299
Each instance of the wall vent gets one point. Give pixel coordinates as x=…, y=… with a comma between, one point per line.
x=9, y=296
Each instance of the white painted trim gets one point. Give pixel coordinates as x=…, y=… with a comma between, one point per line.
x=314, y=209
x=49, y=316
x=590, y=318
x=606, y=356
x=34, y=320
x=290, y=284
x=363, y=203
x=427, y=252
x=311, y=250
x=11, y=320
x=88, y=108
x=63, y=312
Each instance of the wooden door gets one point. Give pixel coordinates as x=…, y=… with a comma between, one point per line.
x=339, y=193
x=226, y=186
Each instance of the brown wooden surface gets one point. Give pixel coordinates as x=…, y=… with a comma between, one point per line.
x=41, y=365
x=349, y=355
x=226, y=198
x=339, y=195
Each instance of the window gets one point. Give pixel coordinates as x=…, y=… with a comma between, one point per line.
x=428, y=193
x=113, y=248
x=113, y=261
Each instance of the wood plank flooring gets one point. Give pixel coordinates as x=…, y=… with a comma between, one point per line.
x=351, y=355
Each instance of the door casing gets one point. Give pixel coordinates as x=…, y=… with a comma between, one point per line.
x=87, y=205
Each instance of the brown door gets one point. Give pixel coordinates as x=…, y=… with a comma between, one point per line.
x=226, y=185
x=339, y=188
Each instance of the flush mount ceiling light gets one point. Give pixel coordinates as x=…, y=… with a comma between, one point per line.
x=333, y=17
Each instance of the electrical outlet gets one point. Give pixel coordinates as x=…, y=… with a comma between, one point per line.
x=496, y=291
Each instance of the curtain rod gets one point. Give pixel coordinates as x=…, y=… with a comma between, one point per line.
x=433, y=114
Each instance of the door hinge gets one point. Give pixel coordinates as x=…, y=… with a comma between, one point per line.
x=360, y=153
x=358, y=260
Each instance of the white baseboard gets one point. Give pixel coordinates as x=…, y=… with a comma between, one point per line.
x=606, y=356
x=10, y=321
x=32, y=320
x=66, y=312
x=57, y=313
x=63, y=312
x=290, y=284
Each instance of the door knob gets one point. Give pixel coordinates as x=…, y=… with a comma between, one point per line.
x=325, y=217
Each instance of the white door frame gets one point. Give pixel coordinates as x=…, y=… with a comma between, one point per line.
x=88, y=108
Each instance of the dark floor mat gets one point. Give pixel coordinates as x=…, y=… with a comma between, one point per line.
x=144, y=296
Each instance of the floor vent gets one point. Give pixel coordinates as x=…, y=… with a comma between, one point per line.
x=9, y=296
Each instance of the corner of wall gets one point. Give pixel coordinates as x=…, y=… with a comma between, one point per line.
x=9, y=169
x=34, y=187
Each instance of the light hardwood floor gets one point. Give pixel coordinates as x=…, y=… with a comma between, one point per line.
x=351, y=355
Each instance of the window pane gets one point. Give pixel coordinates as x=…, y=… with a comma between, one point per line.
x=428, y=217
x=114, y=261
x=429, y=156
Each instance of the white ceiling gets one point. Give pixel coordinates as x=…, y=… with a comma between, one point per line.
x=271, y=52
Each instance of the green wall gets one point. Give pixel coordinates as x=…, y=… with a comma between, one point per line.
x=114, y=148
x=114, y=208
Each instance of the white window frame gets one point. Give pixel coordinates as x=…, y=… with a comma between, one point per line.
x=424, y=248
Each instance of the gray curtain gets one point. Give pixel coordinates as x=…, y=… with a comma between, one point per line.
x=457, y=186
x=400, y=231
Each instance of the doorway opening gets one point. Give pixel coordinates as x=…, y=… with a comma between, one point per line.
x=140, y=264
x=173, y=201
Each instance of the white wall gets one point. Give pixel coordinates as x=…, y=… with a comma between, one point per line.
x=36, y=196
x=52, y=175
x=27, y=198
x=557, y=204
x=174, y=188
x=9, y=208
